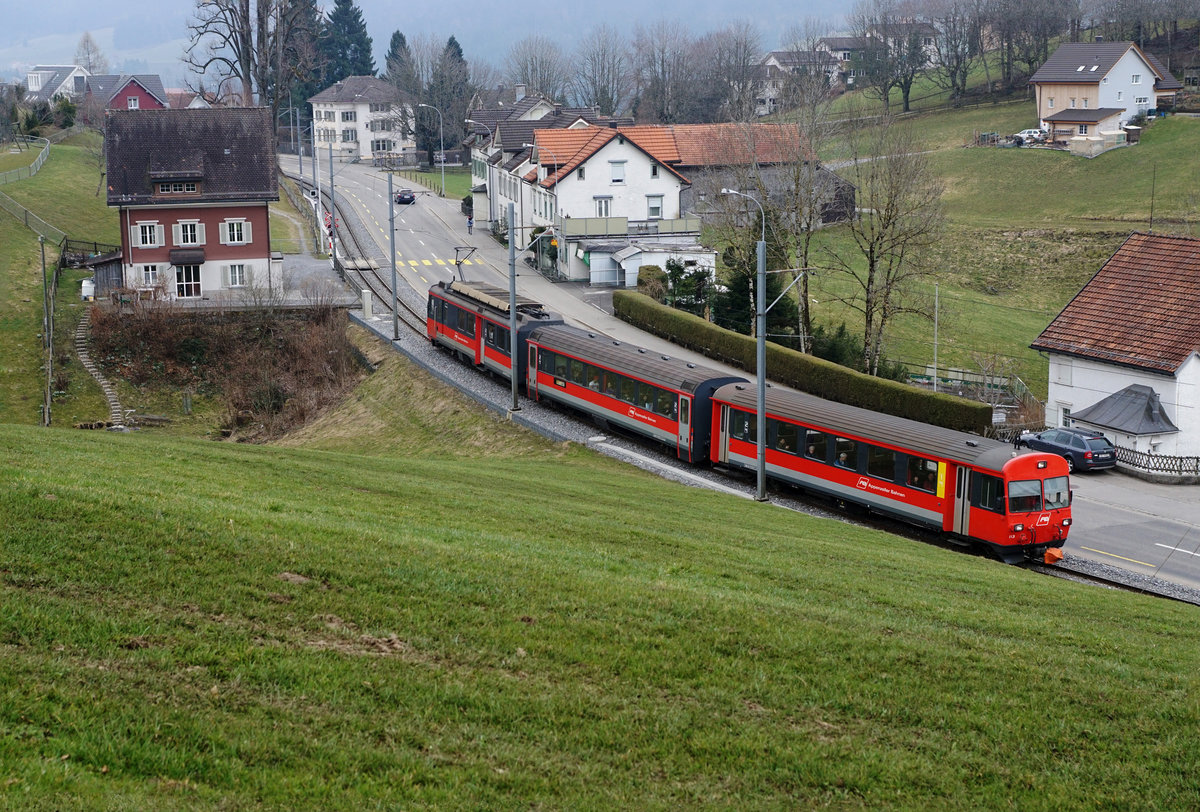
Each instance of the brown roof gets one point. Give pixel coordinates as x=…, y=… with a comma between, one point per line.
x=1141, y=309
x=679, y=147
x=232, y=150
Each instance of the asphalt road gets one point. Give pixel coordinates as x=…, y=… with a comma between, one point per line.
x=1121, y=521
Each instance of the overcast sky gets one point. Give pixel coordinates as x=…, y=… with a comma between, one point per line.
x=141, y=36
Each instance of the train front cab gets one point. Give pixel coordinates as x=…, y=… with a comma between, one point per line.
x=1023, y=511
x=454, y=327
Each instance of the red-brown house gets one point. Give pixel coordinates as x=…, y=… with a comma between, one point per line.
x=127, y=92
x=192, y=189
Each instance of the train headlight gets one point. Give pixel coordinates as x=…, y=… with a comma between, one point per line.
x=1017, y=528
x=1066, y=522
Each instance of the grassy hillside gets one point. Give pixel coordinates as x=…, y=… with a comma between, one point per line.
x=188, y=624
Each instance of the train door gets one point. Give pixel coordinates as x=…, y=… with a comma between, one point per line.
x=684, y=451
x=531, y=373
x=962, y=503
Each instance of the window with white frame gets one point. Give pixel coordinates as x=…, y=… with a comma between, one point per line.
x=1083, y=129
x=618, y=171
x=131, y=102
x=236, y=232
x=1136, y=79
x=188, y=232
x=149, y=235
x=604, y=207
x=1120, y=93
x=654, y=170
x=349, y=115
x=382, y=145
x=1072, y=103
x=149, y=275
x=187, y=281
x=349, y=135
x=237, y=276
x=1050, y=103
x=1142, y=100
x=580, y=173
x=1085, y=103
x=654, y=207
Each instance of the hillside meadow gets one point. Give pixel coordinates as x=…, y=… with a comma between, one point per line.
x=416, y=617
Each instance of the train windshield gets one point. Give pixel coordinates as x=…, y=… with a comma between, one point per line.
x=1058, y=495
x=1024, y=495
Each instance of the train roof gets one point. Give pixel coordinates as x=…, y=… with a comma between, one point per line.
x=912, y=435
x=486, y=297
x=639, y=362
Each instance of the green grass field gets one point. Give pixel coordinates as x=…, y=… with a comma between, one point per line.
x=439, y=622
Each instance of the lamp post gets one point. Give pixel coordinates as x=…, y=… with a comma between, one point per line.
x=553, y=157
x=760, y=329
x=487, y=163
x=441, y=143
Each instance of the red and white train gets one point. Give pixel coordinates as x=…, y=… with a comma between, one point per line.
x=963, y=485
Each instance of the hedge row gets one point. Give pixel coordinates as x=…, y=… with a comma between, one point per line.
x=805, y=373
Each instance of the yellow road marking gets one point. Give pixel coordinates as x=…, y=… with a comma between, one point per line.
x=1113, y=555
x=440, y=261
x=466, y=262
x=423, y=279
x=413, y=262
x=426, y=262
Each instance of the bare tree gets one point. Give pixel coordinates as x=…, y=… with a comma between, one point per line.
x=538, y=62
x=601, y=78
x=89, y=56
x=955, y=45
x=730, y=59
x=900, y=218
x=662, y=71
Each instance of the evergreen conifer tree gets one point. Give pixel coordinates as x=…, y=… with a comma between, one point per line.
x=346, y=46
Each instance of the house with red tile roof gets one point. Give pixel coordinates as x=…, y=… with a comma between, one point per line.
x=601, y=191
x=1125, y=352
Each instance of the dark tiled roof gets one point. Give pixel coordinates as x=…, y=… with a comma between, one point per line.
x=53, y=78
x=847, y=43
x=360, y=89
x=231, y=150
x=107, y=85
x=1081, y=62
x=1165, y=81
x=1141, y=309
x=1089, y=115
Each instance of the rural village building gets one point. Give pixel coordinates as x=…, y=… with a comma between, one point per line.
x=191, y=188
x=365, y=118
x=1125, y=352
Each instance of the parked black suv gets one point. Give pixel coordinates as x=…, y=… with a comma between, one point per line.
x=1084, y=449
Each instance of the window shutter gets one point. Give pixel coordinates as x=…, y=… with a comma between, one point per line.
x=249, y=271
x=247, y=234
x=199, y=233
x=176, y=234
x=223, y=233
x=225, y=276
x=135, y=237
x=160, y=236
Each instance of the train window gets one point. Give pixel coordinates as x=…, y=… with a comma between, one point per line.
x=593, y=377
x=665, y=403
x=546, y=361
x=922, y=473
x=611, y=381
x=1024, y=495
x=465, y=322
x=489, y=334
x=628, y=390
x=881, y=462
x=560, y=366
x=577, y=371
x=431, y=308
x=818, y=445
x=787, y=436
x=987, y=492
x=743, y=426
x=845, y=453
x=1057, y=494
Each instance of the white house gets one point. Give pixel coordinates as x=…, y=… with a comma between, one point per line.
x=1125, y=352
x=364, y=117
x=1090, y=87
x=49, y=82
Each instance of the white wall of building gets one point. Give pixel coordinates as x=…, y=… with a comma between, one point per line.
x=1117, y=89
x=362, y=134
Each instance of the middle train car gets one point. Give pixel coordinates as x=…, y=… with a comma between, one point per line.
x=960, y=484
x=657, y=396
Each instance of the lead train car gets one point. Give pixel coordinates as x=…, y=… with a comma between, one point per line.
x=472, y=321
x=958, y=483
x=654, y=395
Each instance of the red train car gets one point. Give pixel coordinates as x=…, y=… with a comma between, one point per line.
x=971, y=487
x=472, y=320
x=665, y=399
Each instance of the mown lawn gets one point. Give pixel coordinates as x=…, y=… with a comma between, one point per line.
x=194, y=625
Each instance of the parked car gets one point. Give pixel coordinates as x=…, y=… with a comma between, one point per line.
x=1084, y=449
x=406, y=197
x=1031, y=136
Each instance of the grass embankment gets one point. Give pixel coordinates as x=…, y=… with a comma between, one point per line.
x=196, y=625
x=458, y=180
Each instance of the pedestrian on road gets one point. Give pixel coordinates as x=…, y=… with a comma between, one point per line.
x=470, y=224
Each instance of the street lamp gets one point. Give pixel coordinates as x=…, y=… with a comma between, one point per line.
x=553, y=157
x=441, y=143
x=760, y=329
x=487, y=163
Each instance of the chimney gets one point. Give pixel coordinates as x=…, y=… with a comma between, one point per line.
x=519, y=91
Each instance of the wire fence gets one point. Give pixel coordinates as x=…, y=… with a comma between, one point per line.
x=31, y=220
x=21, y=173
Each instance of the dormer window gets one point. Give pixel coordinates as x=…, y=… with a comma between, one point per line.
x=177, y=187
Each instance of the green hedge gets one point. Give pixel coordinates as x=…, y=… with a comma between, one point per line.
x=799, y=371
